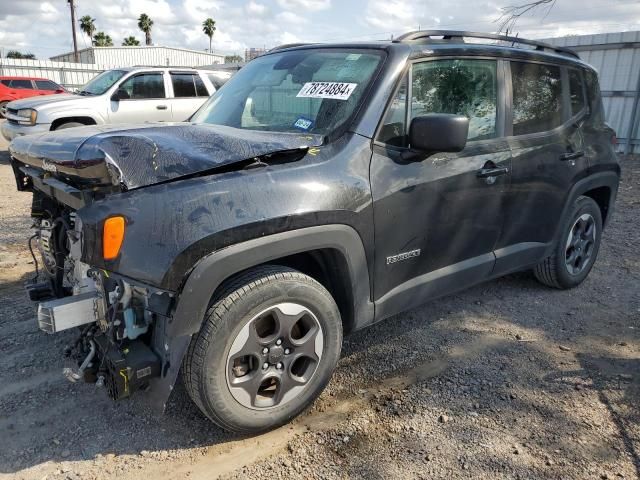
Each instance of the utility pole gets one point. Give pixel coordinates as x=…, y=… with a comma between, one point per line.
x=73, y=30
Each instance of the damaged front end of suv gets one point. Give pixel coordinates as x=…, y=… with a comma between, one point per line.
x=124, y=340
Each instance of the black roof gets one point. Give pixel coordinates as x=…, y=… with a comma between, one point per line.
x=455, y=42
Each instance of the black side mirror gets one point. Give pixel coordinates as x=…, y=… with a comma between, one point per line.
x=439, y=132
x=120, y=94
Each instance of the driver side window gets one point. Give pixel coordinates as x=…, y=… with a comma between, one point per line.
x=144, y=86
x=456, y=86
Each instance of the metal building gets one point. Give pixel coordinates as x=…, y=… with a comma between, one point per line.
x=143, y=55
x=616, y=56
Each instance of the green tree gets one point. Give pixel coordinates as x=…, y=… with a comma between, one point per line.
x=88, y=26
x=17, y=54
x=130, y=41
x=101, y=39
x=233, y=59
x=209, y=28
x=145, y=23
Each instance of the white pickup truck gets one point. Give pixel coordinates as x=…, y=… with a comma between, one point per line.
x=124, y=95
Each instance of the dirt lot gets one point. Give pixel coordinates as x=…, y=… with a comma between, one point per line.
x=506, y=380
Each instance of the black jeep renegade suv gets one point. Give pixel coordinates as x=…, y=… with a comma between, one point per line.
x=323, y=188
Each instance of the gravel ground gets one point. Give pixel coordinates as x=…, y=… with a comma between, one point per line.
x=505, y=380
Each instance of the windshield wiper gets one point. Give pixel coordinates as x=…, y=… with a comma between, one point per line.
x=84, y=92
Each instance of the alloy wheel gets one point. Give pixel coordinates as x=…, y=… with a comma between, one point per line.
x=580, y=244
x=274, y=356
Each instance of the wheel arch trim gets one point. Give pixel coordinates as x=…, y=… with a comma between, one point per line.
x=609, y=179
x=212, y=270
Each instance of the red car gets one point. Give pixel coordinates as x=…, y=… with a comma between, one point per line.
x=16, y=88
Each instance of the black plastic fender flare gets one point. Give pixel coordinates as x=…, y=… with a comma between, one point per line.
x=215, y=268
x=211, y=271
x=609, y=179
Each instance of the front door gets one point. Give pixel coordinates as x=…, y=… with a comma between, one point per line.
x=142, y=99
x=437, y=218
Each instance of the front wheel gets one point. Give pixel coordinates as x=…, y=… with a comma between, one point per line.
x=576, y=249
x=267, y=348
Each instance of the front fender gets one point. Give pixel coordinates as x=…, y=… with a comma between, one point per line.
x=211, y=271
x=50, y=117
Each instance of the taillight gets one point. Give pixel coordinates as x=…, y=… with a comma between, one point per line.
x=112, y=237
x=614, y=140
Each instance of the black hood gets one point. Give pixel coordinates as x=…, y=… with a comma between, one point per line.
x=137, y=156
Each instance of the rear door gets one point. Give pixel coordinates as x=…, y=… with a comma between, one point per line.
x=548, y=153
x=189, y=93
x=437, y=218
x=145, y=100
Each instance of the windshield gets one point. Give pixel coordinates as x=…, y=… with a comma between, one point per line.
x=314, y=91
x=102, y=82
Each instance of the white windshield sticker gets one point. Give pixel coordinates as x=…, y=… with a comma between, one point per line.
x=336, y=90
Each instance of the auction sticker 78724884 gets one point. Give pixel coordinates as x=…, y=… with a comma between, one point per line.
x=335, y=90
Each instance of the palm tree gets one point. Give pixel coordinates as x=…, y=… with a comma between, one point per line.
x=209, y=28
x=101, y=39
x=88, y=26
x=145, y=24
x=130, y=41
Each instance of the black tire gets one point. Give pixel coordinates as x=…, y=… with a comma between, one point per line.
x=65, y=125
x=557, y=270
x=242, y=298
x=3, y=108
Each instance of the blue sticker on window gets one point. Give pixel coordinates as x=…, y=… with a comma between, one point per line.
x=303, y=123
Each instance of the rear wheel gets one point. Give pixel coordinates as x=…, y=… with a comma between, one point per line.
x=576, y=249
x=266, y=350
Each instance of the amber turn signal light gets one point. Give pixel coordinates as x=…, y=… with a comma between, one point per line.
x=112, y=237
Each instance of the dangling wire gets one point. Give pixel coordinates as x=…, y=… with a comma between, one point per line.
x=35, y=261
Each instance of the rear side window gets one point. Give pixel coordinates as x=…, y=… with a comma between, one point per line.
x=461, y=87
x=576, y=92
x=537, y=97
x=47, y=85
x=26, y=84
x=188, y=85
x=6, y=83
x=146, y=85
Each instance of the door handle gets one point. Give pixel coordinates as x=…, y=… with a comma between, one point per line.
x=572, y=155
x=161, y=107
x=491, y=172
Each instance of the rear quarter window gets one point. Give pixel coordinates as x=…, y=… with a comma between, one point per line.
x=576, y=92
x=537, y=97
x=593, y=96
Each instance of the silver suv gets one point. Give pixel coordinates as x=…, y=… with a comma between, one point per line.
x=124, y=95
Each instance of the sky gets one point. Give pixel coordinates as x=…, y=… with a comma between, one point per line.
x=44, y=27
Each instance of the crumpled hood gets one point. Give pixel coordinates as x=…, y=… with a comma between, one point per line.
x=136, y=156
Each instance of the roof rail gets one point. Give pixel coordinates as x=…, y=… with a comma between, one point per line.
x=288, y=45
x=426, y=36
x=162, y=66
